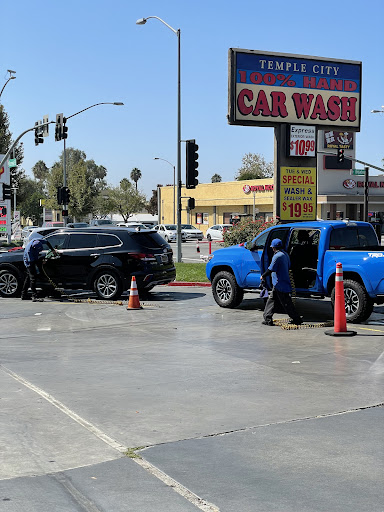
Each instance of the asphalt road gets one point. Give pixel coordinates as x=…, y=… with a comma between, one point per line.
x=230, y=415
x=190, y=252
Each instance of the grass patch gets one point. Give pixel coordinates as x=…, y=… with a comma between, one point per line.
x=131, y=452
x=191, y=272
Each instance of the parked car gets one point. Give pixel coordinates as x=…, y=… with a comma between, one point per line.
x=133, y=225
x=102, y=222
x=169, y=232
x=216, y=232
x=53, y=224
x=102, y=260
x=77, y=225
x=191, y=232
x=27, y=231
x=38, y=233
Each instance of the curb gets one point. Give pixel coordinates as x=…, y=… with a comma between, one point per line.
x=184, y=283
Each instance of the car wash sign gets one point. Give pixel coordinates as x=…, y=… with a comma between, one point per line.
x=270, y=88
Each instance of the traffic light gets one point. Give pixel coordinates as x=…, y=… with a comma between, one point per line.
x=59, y=195
x=59, y=127
x=38, y=135
x=65, y=195
x=191, y=203
x=192, y=164
x=64, y=134
x=340, y=155
x=7, y=193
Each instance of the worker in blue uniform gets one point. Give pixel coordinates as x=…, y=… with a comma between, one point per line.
x=279, y=269
x=32, y=261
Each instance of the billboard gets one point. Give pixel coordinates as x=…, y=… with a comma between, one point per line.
x=298, y=193
x=266, y=89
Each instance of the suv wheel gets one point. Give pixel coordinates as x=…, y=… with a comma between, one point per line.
x=226, y=292
x=10, y=283
x=107, y=285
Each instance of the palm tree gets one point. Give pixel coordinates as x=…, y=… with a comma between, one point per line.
x=135, y=175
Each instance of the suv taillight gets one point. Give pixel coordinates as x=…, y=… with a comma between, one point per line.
x=143, y=256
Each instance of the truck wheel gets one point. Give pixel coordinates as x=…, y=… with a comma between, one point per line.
x=358, y=304
x=226, y=292
x=108, y=285
x=10, y=284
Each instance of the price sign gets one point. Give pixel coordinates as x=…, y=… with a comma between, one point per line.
x=298, y=193
x=302, y=140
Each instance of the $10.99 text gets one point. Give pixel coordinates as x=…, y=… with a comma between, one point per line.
x=297, y=209
x=302, y=147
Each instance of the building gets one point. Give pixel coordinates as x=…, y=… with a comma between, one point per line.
x=215, y=203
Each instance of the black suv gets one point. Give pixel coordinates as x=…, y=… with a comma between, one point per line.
x=102, y=259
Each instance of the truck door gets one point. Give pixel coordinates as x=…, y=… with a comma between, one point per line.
x=252, y=262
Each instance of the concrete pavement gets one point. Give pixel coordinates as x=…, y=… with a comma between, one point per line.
x=244, y=416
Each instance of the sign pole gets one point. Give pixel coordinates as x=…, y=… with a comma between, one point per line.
x=366, y=192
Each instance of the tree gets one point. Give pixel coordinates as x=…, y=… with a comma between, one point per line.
x=85, y=179
x=216, y=178
x=29, y=194
x=254, y=167
x=5, y=143
x=126, y=200
x=152, y=203
x=40, y=171
x=135, y=175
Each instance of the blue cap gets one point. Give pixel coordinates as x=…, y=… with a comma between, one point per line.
x=277, y=243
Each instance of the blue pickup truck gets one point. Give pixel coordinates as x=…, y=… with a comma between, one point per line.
x=314, y=249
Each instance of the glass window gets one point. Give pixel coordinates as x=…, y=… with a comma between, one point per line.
x=108, y=241
x=352, y=237
x=82, y=241
x=171, y=227
x=261, y=240
x=57, y=240
x=148, y=240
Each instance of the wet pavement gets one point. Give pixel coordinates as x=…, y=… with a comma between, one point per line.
x=236, y=416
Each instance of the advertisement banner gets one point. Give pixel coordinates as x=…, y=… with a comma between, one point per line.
x=338, y=140
x=298, y=193
x=271, y=88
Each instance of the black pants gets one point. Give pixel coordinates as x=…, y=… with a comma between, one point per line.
x=277, y=298
x=30, y=280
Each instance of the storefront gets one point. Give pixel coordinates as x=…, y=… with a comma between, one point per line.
x=216, y=203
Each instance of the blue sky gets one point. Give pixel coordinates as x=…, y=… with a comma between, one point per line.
x=70, y=55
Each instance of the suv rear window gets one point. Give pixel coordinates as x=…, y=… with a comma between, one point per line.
x=148, y=240
x=108, y=241
x=353, y=237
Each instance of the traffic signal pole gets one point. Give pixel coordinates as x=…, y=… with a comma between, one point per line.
x=65, y=206
x=6, y=156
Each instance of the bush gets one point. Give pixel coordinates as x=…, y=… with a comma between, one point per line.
x=245, y=231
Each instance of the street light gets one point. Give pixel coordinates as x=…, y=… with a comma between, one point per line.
x=64, y=159
x=143, y=21
x=174, y=184
x=11, y=77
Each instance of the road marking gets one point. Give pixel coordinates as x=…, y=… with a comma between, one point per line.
x=367, y=329
x=150, y=468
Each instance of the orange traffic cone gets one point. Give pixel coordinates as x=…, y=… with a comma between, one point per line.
x=134, y=302
x=340, y=318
